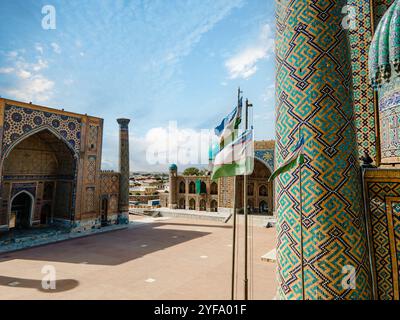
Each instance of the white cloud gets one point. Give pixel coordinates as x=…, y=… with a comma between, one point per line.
x=37, y=88
x=31, y=84
x=39, y=48
x=269, y=93
x=23, y=74
x=244, y=64
x=56, y=47
x=6, y=70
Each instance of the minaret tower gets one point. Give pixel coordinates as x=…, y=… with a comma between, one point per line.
x=322, y=243
x=173, y=174
x=124, y=170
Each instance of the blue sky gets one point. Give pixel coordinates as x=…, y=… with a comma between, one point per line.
x=152, y=61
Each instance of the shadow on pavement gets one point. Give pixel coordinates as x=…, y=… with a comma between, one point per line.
x=111, y=248
x=61, y=285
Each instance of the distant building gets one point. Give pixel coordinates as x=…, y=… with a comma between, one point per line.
x=201, y=194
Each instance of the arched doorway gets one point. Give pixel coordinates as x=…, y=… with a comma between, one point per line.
x=203, y=205
x=214, y=188
x=259, y=189
x=192, y=187
x=263, y=207
x=21, y=207
x=192, y=204
x=46, y=160
x=214, y=206
x=182, y=187
x=104, y=211
x=263, y=191
x=45, y=214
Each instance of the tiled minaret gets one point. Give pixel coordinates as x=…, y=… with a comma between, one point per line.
x=322, y=244
x=124, y=170
x=173, y=174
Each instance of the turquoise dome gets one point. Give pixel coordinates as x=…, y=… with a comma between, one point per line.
x=384, y=53
x=173, y=167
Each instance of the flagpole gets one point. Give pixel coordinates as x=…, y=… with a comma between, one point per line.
x=234, y=240
x=246, y=280
x=301, y=225
x=234, y=224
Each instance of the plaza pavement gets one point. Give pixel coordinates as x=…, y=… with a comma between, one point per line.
x=159, y=258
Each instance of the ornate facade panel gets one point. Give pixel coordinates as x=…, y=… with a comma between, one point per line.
x=383, y=194
x=90, y=199
x=314, y=95
x=20, y=121
x=124, y=164
x=360, y=36
x=93, y=133
x=389, y=117
x=91, y=169
x=109, y=183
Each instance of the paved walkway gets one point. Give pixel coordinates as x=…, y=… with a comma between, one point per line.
x=155, y=258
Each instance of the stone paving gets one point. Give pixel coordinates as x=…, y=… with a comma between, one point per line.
x=22, y=239
x=155, y=258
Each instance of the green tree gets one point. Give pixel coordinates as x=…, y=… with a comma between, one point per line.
x=191, y=172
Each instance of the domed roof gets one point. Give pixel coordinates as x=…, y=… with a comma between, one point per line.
x=173, y=166
x=384, y=53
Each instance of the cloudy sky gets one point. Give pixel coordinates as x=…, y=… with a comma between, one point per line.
x=173, y=67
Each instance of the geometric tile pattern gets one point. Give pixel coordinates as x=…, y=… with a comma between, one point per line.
x=314, y=93
x=123, y=165
x=266, y=156
x=378, y=192
x=364, y=105
x=109, y=183
x=91, y=169
x=389, y=118
x=19, y=121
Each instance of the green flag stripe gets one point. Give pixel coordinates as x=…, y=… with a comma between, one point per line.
x=290, y=165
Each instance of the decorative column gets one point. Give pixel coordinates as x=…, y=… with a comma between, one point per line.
x=173, y=173
x=322, y=243
x=123, y=203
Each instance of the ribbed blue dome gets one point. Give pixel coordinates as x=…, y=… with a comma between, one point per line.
x=173, y=167
x=384, y=53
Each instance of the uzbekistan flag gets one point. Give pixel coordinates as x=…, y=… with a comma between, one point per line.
x=293, y=160
x=228, y=125
x=236, y=158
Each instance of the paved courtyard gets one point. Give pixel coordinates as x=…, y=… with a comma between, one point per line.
x=162, y=258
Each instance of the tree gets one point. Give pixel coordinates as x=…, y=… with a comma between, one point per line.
x=191, y=172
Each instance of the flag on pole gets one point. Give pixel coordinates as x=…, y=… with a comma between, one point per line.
x=237, y=158
x=228, y=125
x=294, y=159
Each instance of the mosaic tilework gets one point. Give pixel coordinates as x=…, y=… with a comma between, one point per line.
x=19, y=121
x=91, y=169
x=89, y=196
x=314, y=89
x=389, y=118
x=384, y=67
x=266, y=156
x=93, y=130
x=124, y=164
x=364, y=107
x=109, y=182
x=379, y=191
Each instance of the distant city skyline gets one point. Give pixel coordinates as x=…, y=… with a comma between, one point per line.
x=151, y=61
